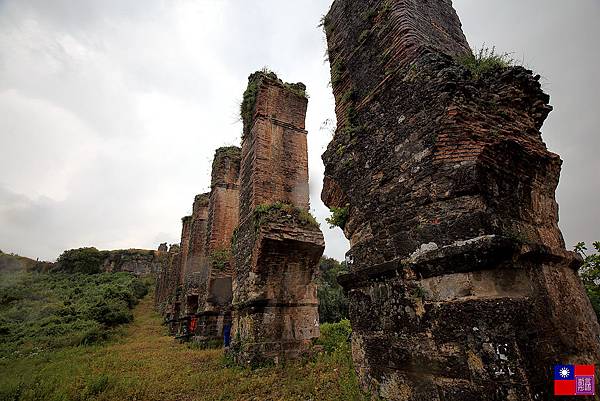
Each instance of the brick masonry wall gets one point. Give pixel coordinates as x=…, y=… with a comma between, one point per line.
x=186, y=227
x=275, y=157
x=222, y=221
x=195, y=280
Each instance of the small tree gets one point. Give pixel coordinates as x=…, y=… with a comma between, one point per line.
x=82, y=260
x=590, y=273
x=333, y=304
x=339, y=217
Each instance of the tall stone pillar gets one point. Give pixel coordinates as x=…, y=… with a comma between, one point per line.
x=215, y=302
x=186, y=227
x=460, y=285
x=194, y=277
x=169, y=304
x=278, y=244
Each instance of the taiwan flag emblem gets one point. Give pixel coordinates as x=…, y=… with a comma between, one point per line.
x=574, y=380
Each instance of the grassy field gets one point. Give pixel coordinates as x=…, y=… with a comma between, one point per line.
x=143, y=364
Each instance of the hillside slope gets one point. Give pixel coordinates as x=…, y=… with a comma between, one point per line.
x=11, y=262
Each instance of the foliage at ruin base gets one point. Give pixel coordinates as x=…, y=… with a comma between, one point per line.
x=333, y=303
x=590, y=273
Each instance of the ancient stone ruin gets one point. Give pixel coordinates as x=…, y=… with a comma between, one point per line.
x=278, y=244
x=194, y=279
x=215, y=300
x=460, y=285
x=137, y=261
x=251, y=248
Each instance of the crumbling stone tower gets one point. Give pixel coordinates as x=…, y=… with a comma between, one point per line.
x=194, y=278
x=176, y=273
x=186, y=229
x=160, y=293
x=278, y=244
x=215, y=300
x=168, y=284
x=460, y=285
x=171, y=281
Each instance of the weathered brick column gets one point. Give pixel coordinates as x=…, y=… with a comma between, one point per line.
x=460, y=285
x=186, y=229
x=278, y=244
x=194, y=279
x=169, y=305
x=215, y=302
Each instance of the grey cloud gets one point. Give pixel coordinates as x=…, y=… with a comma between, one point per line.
x=110, y=111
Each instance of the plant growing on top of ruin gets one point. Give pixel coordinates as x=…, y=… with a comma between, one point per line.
x=220, y=258
x=590, y=273
x=484, y=61
x=249, y=98
x=228, y=151
x=280, y=211
x=249, y=101
x=325, y=23
x=339, y=217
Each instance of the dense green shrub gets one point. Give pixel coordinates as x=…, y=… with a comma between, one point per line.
x=339, y=217
x=333, y=304
x=590, y=273
x=335, y=336
x=52, y=310
x=81, y=260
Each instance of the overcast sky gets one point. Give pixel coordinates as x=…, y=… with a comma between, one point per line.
x=110, y=110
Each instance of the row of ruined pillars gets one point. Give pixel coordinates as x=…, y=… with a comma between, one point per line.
x=194, y=292
x=460, y=286
x=246, y=265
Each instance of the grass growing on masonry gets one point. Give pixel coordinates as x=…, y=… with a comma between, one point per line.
x=229, y=151
x=145, y=364
x=484, y=61
x=337, y=70
x=279, y=212
x=249, y=98
x=325, y=23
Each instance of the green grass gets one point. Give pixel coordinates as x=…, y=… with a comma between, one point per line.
x=145, y=364
x=484, y=61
